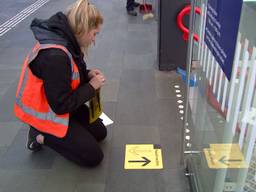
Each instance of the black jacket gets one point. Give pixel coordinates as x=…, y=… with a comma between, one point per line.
x=53, y=65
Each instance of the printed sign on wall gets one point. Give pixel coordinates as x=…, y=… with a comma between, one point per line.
x=222, y=23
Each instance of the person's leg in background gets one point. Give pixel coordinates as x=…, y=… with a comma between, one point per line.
x=130, y=8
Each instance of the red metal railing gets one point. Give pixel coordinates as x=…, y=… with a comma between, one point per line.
x=185, y=30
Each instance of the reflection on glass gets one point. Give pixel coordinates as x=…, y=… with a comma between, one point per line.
x=222, y=115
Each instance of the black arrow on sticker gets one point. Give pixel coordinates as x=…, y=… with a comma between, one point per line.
x=225, y=161
x=145, y=161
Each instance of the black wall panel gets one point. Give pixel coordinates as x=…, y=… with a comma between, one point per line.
x=172, y=49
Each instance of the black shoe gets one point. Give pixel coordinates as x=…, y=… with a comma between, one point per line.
x=135, y=4
x=132, y=13
x=32, y=144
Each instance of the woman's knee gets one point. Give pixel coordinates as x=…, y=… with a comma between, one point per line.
x=103, y=134
x=99, y=130
x=93, y=159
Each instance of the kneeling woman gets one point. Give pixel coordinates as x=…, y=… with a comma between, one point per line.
x=55, y=84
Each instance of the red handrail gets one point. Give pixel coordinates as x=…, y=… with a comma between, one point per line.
x=182, y=13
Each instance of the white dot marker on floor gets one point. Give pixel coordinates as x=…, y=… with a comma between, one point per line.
x=181, y=106
x=178, y=95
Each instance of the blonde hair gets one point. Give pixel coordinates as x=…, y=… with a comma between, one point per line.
x=83, y=17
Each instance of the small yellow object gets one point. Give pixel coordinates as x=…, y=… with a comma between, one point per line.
x=148, y=16
x=222, y=156
x=143, y=156
x=95, y=107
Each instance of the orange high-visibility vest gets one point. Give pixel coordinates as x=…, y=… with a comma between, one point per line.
x=31, y=105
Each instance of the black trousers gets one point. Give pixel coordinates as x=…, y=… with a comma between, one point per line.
x=80, y=145
x=129, y=5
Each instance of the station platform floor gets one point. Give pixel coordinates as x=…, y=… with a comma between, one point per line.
x=140, y=99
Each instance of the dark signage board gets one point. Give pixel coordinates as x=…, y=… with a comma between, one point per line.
x=222, y=23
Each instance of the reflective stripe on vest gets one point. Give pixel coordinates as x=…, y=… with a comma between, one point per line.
x=51, y=116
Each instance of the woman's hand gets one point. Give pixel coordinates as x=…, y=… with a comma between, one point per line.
x=97, y=81
x=92, y=73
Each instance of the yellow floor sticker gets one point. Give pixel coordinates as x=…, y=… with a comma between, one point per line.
x=225, y=147
x=143, y=156
x=222, y=156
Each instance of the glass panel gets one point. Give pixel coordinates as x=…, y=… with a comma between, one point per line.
x=221, y=119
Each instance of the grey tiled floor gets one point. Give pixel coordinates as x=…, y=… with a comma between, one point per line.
x=139, y=98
